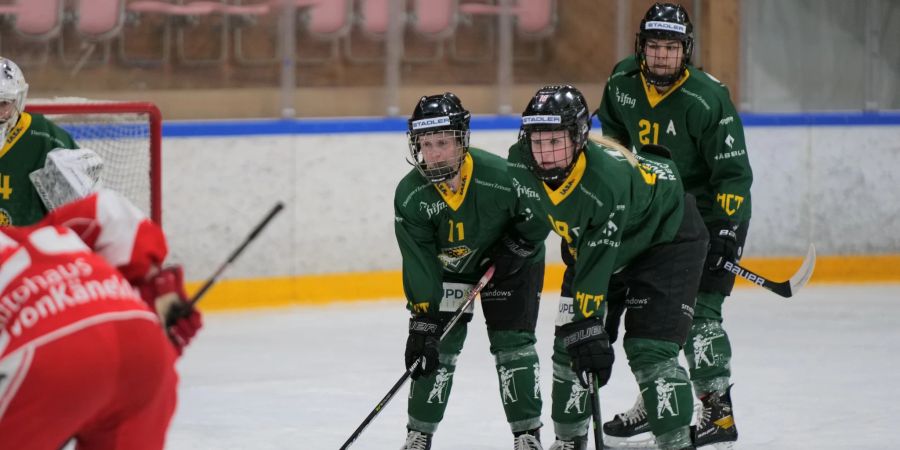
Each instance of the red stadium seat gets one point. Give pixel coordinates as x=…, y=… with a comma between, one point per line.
x=99, y=19
x=435, y=21
x=36, y=19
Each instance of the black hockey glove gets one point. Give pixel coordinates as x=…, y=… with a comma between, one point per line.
x=588, y=346
x=723, y=246
x=423, y=342
x=510, y=254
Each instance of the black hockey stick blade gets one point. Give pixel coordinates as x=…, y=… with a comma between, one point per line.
x=396, y=387
x=253, y=234
x=787, y=288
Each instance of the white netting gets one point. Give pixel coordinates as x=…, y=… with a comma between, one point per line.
x=122, y=134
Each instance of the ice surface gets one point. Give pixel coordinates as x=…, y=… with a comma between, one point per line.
x=819, y=370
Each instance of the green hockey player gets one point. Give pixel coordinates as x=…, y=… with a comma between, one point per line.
x=455, y=214
x=27, y=140
x=629, y=234
x=657, y=97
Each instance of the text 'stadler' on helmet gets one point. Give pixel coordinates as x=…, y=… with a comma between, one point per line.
x=442, y=113
x=13, y=90
x=667, y=21
x=555, y=108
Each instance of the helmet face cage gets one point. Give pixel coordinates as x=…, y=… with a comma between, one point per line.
x=13, y=90
x=665, y=21
x=438, y=123
x=433, y=163
x=555, y=108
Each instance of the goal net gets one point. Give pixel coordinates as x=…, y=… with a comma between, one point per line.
x=127, y=135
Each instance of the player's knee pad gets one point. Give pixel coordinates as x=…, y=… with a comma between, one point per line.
x=650, y=358
x=708, y=352
x=571, y=409
x=666, y=390
x=519, y=378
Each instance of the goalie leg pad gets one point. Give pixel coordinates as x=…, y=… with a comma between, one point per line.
x=519, y=376
x=428, y=395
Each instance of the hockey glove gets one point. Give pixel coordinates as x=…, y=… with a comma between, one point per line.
x=164, y=292
x=723, y=246
x=510, y=254
x=589, y=349
x=423, y=342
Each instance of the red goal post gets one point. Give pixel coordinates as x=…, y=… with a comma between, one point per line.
x=127, y=135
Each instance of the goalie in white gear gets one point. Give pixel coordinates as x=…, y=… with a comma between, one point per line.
x=26, y=140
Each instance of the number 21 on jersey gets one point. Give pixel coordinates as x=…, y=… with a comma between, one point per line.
x=646, y=127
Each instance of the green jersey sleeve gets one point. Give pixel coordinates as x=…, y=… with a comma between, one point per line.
x=422, y=272
x=611, y=121
x=725, y=151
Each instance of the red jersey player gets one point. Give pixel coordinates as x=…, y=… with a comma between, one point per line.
x=82, y=352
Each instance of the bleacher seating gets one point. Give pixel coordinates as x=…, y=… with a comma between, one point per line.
x=204, y=32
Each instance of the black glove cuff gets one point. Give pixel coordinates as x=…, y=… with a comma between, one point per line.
x=581, y=332
x=518, y=246
x=424, y=325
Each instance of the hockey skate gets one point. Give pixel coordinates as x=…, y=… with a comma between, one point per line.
x=630, y=429
x=528, y=440
x=715, y=424
x=417, y=441
x=579, y=443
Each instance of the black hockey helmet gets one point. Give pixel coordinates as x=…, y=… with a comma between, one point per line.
x=668, y=21
x=554, y=108
x=442, y=113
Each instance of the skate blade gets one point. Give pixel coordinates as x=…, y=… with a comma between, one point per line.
x=718, y=446
x=643, y=441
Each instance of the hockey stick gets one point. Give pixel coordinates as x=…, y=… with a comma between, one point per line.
x=179, y=312
x=259, y=227
x=396, y=387
x=595, y=412
x=783, y=288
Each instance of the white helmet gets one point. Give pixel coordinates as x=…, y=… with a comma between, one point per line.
x=13, y=90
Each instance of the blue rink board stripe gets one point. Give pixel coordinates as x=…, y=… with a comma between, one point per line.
x=392, y=125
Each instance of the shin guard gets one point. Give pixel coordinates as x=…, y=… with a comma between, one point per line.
x=518, y=373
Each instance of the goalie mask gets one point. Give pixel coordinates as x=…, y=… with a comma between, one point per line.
x=554, y=131
x=665, y=21
x=13, y=90
x=438, y=136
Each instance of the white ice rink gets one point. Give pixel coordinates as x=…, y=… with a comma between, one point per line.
x=818, y=371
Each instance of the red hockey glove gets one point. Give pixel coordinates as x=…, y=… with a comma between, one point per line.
x=164, y=292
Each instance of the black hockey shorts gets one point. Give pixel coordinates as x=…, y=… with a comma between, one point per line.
x=658, y=289
x=512, y=303
x=722, y=281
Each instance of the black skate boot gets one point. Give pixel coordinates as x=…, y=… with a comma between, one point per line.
x=416, y=440
x=579, y=443
x=630, y=429
x=528, y=440
x=715, y=424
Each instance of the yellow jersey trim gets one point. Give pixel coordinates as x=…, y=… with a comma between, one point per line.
x=568, y=186
x=17, y=132
x=455, y=199
x=654, y=97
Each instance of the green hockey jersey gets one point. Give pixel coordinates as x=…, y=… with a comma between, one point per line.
x=24, y=151
x=445, y=235
x=697, y=122
x=607, y=210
